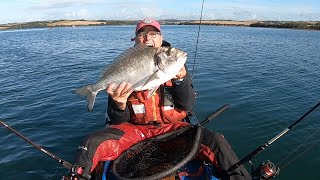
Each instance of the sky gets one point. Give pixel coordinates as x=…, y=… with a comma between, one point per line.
x=12, y=11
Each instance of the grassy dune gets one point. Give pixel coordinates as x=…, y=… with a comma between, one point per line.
x=224, y=22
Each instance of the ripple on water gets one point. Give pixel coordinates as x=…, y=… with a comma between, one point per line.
x=268, y=76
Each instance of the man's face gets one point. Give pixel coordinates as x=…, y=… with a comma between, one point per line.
x=150, y=36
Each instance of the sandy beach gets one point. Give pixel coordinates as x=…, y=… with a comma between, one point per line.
x=75, y=23
x=3, y=27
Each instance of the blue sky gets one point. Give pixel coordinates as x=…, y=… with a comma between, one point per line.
x=33, y=10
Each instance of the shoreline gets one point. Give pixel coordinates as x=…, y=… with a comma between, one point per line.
x=314, y=25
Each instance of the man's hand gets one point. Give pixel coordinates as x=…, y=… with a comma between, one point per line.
x=120, y=93
x=182, y=73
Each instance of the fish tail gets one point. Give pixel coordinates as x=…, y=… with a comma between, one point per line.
x=90, y=93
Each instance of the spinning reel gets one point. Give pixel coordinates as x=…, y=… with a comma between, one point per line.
x=265, y=170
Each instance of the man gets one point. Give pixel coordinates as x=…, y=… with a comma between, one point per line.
x=168, y=104
x=167, y=107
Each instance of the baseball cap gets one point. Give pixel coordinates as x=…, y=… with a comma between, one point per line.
x=148, y=22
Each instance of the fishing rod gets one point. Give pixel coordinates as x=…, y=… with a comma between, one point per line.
x=75, y=170
x=268, y=169
x=198, y=35
x=192, y=118
x=195, y=53
x=214, y=114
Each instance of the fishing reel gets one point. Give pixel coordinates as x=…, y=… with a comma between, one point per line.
x=266, y=170
x=76, y=173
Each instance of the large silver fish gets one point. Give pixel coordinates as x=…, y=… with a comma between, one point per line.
x=146, y=68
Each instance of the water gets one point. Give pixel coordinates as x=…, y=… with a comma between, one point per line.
x=270, y=77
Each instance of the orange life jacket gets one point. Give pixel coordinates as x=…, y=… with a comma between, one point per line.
x=158, y=108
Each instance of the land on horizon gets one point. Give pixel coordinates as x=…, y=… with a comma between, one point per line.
x=315, y=25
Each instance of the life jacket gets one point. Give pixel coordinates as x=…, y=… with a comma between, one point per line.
x=159, y=108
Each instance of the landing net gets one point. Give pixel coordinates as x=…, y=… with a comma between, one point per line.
x=158, y=157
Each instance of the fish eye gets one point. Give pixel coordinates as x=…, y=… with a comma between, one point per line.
x=169, y=51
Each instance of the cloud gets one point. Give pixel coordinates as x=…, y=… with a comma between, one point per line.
x=30, y=10
x=81, y=14
x=309, y=16
x=55, y=4
x=262, y=11
x=152, y=12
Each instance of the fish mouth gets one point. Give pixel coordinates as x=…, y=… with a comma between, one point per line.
x=183, y=55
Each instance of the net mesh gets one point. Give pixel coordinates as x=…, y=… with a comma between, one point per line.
x=159, y=156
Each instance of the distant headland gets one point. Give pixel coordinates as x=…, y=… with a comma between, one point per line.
x=312, y=25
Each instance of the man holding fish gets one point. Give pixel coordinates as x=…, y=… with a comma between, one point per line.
x=168, y=103
x=147, y=85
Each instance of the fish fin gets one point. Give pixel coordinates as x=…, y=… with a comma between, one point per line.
x=153, y=77
x=89, y=92
x=138, y=85
x=140, y=45
x=152, y=91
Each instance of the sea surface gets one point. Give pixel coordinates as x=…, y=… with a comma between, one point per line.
x=269, y=77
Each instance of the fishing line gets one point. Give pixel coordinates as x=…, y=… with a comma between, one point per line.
x=298, y=156
x=195, y=53
x=278, y=164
